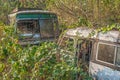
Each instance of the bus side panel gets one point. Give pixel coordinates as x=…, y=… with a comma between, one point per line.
x=100, y=72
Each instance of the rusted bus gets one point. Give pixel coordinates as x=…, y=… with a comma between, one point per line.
x=99, y=51
x=34, y=26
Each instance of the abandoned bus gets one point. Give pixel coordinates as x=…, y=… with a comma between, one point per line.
x=34, y=26
x=100, y=51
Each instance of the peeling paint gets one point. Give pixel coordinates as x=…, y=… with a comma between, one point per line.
x=112, y=36
x=100, y=72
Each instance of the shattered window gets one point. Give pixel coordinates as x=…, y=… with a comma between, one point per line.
x=70, y=44
x=118, y=56
x=67, y=44
x=106, y=53
x=27, y=26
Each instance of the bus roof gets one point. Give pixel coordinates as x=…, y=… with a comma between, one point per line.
x=112, y=36
x=20, y=11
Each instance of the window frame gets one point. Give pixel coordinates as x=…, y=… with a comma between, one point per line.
x=52, y=20
x=66, y=40
x=115, y=53
x=116, y=56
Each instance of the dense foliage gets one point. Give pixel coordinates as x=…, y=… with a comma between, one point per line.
x=38, y=62
x=72, y=13
x=47, y=61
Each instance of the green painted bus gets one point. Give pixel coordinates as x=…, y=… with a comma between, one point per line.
x=34, y=26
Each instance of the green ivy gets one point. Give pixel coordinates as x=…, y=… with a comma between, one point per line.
x=43, y=62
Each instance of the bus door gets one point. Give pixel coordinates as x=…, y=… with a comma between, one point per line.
x=83, y=54
x=84, y=48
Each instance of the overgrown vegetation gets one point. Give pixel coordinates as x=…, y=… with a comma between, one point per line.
x=42, y=62
x=72, y=13
x=47, y=61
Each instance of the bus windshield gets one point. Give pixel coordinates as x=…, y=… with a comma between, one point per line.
x=47, y=28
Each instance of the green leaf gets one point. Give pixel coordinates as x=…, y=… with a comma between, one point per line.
x=2, y=66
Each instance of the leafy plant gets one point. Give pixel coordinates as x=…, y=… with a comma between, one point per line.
x=43, y=62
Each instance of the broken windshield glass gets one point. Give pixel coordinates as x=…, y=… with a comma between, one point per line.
x=27, y=26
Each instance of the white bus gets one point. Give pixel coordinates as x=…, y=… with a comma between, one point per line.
x=100, y=51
